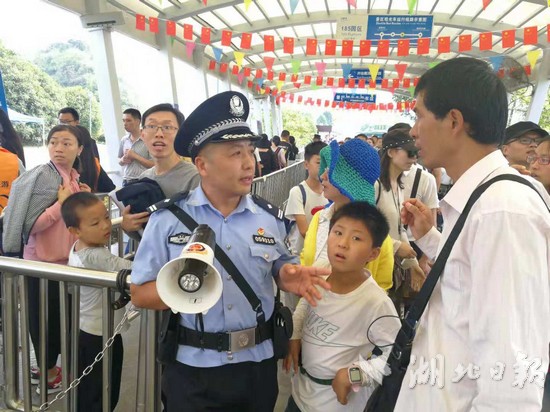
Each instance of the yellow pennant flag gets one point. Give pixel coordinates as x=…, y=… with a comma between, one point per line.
x=239, y=56
x=280, y=84
x=373, y=69
x=532, y=57
x=247, y=4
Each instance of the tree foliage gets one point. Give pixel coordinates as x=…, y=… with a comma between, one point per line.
x=325, y=119
x=300, y=125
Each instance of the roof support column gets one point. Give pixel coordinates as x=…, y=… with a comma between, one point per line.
x=168, y=92
x=276, y=117
x=540, y=92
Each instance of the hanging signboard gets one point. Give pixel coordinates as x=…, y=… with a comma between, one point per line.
x=394, y=28
x=365, y=74
x=352, y=27
x=355, y=98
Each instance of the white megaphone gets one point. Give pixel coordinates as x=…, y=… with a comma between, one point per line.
x=191, y=283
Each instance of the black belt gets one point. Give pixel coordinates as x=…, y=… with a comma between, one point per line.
x=226, y=341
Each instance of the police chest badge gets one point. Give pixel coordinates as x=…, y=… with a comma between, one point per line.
x=236, y=106
x=179, y=238
x=261, y=239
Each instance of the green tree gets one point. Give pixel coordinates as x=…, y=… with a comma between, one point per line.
x=81, y=98
x=300, y=125
x=325, y=119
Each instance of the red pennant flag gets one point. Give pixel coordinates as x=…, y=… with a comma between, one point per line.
x=212, y=65
x=267, y=90
x=294, y=78
x=548, y=33
x=395, y=83
x=269, y=43
x=351, y=83
x=259, y=74
x=307, y=79
x=153, y=24
x=341, y=104
x=282, y=76
x=347, y=48
x=486, y=3
x=188, y=32
x=288, y=45
x=361, y=83
x=319, y=81
x=384, y=83
x=333, y=104
x=372, y=84
x=226, y=37
x=205, y=35
x=527, y=70
x=423, y=46
x=465, y=42
x=530, y=35
x=509, y=38
x=406, y=83
x=300, y=98
x=415, y=81
x=311, y=47
x=318, y=102
x=270, y=75
x=341, y=82
x=444, y=44
x=246, y=40
x=486, y=41
x=330, y=47
x=330, y=81
x=400, y=69
x=383, y=49
x=269, y=62
x=403, y=47
x=247, y=72
x=250, y=83
x=235, y=70
x=170, y=28
x=223, y=67
x=327, y=103
x=364, y=48
x=140, y=22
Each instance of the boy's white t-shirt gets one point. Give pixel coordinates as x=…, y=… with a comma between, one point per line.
x=334, y=334
x=295, y=206
x=91, y=298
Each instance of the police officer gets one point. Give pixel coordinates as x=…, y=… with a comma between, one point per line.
x=220, y=142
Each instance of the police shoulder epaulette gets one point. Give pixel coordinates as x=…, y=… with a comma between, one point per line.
x=268, y=207
x=163, y=204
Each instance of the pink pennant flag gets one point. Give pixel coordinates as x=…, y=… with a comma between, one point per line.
x=269, y=62
x=189, y=47
x=352, y=3
x=320, y=66
x=240, y=77
x=486, y=3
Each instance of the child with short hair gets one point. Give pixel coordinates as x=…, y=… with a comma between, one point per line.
x=332, y=336
x=87, y=218
x=305, y=199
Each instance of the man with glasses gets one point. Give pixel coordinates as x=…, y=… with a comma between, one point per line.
x=133, y=156
x=520, y=141
x=68, y=116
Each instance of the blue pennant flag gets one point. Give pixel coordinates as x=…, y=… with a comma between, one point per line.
x=346, y=69
x=496, y=62
x=3, y=102
x=217, y=53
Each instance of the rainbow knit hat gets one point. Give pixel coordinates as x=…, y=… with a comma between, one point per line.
x=352, y=168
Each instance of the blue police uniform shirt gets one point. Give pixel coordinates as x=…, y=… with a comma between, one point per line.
x=240, y=235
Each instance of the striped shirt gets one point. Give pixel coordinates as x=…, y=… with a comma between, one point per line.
x=134, y=169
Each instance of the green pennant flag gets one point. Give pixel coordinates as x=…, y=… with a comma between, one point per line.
x=296, y=66
x=411, y=4
x=411, y=90
x=431, y=65
x=172, y=38
x=314, y=86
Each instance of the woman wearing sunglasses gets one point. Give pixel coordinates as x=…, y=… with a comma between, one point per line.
x=398, y=155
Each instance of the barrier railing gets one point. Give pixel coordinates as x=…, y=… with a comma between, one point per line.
x=14, y=281
x=275, y=186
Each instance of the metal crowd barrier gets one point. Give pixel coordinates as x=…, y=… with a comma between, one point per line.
x=15, y=294
x=275, y=186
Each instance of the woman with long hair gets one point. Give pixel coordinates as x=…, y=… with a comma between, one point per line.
x=33, y=215
x=9, y=139
x=398, y=155
x=90, y=169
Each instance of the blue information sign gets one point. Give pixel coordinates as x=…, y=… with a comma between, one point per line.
x=365, y=74
x=355, y=98
x=394, y=28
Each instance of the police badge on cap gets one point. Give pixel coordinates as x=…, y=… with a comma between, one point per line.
x=221, y=118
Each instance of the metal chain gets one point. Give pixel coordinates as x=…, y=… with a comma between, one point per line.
x=46, y=405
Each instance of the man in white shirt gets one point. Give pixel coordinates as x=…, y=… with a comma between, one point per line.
x=482, y=343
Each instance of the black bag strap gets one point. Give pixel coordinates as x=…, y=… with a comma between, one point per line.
x=303, y=191
x=421, y=301
x=226, y=262
x=416, y=182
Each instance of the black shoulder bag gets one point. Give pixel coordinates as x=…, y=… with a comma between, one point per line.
x=281, y=319
x=384, y=398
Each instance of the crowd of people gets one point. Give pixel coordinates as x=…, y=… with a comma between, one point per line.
x=361, y=235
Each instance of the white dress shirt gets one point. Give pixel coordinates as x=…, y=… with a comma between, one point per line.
x=491, y=303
